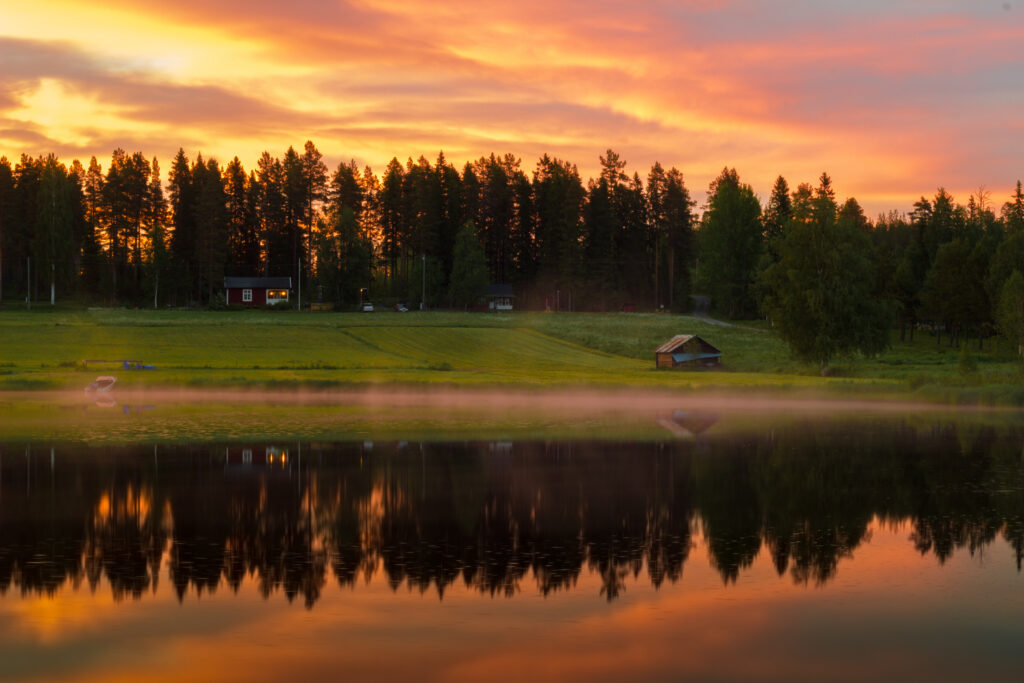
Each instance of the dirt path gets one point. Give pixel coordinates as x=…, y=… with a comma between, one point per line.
x=701, y=306
x=723, y=323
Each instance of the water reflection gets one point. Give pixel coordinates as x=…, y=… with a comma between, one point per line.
x=499, y=518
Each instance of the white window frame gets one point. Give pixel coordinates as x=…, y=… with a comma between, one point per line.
x=246, y=296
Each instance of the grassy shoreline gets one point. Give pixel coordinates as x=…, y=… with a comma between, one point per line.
x=290, y=351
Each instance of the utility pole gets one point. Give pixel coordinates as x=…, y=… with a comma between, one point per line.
x=299, y=306
x=28, y=283
x=423, y=299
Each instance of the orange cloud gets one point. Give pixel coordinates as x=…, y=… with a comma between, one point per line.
x=893, y=99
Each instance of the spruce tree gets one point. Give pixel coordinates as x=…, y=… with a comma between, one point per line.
x=450, y=185
x=392, y=215
x=777, y=214
x=657, y=227
x=93, y=271
x=731, y=244
x=558, y=200
x=183, y=234
x=53, y=244
x=679, y=222
x=271, y=216
x=1013, y=211
x=296, y=192
x=156, y=233
x=211, y=225
x=599, y=226
x=243, y=243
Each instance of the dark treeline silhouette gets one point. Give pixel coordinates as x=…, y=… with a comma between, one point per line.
x=125, y=236
x=494, y=516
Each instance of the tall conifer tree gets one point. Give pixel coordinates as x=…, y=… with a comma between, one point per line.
x=183, y=235
x=731, y=244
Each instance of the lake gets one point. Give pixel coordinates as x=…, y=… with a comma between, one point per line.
x=702, y=547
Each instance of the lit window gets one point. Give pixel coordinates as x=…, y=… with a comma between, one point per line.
x=246, y=295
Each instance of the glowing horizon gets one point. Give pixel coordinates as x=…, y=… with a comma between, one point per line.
x=892, y=99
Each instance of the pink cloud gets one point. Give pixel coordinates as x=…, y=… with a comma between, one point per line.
x=893, y=98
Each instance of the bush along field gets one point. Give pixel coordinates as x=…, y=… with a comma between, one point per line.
x=285, y=349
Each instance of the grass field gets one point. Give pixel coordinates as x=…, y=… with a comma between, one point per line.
x=281, y=349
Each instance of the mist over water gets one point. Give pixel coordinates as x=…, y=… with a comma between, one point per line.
x=132, y=415
x=580, y=401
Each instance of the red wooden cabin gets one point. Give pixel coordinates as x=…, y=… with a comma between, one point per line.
x=257, y=291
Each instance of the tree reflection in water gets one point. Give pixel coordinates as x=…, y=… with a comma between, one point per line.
x=494, y=516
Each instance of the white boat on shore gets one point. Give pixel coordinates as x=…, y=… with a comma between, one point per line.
x=101, y=384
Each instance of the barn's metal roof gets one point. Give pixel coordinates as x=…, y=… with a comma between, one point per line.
x=257, y=283
x=672, y=343
x=680, y=339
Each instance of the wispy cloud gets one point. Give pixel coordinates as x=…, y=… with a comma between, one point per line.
x=892, y=98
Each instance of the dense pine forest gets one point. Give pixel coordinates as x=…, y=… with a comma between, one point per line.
x=426, y=230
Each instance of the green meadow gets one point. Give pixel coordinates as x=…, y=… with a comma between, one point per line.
x=283, y=350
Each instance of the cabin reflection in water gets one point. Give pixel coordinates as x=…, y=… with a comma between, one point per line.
x=247, y=459
x=500, y=518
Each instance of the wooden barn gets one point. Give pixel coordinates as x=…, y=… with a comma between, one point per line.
x=687, y=351
x=257, y=291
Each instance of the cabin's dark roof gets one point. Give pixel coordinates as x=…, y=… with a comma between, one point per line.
x=680, y=339
x=257, y=283
x=500, y=290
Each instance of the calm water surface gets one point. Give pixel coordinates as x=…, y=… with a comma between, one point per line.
x=818, y=550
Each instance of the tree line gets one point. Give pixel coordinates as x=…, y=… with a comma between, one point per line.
x=833, y=283
x=827, y=276
x=125, y=236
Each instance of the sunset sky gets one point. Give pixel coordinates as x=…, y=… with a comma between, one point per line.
x=892, y=97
